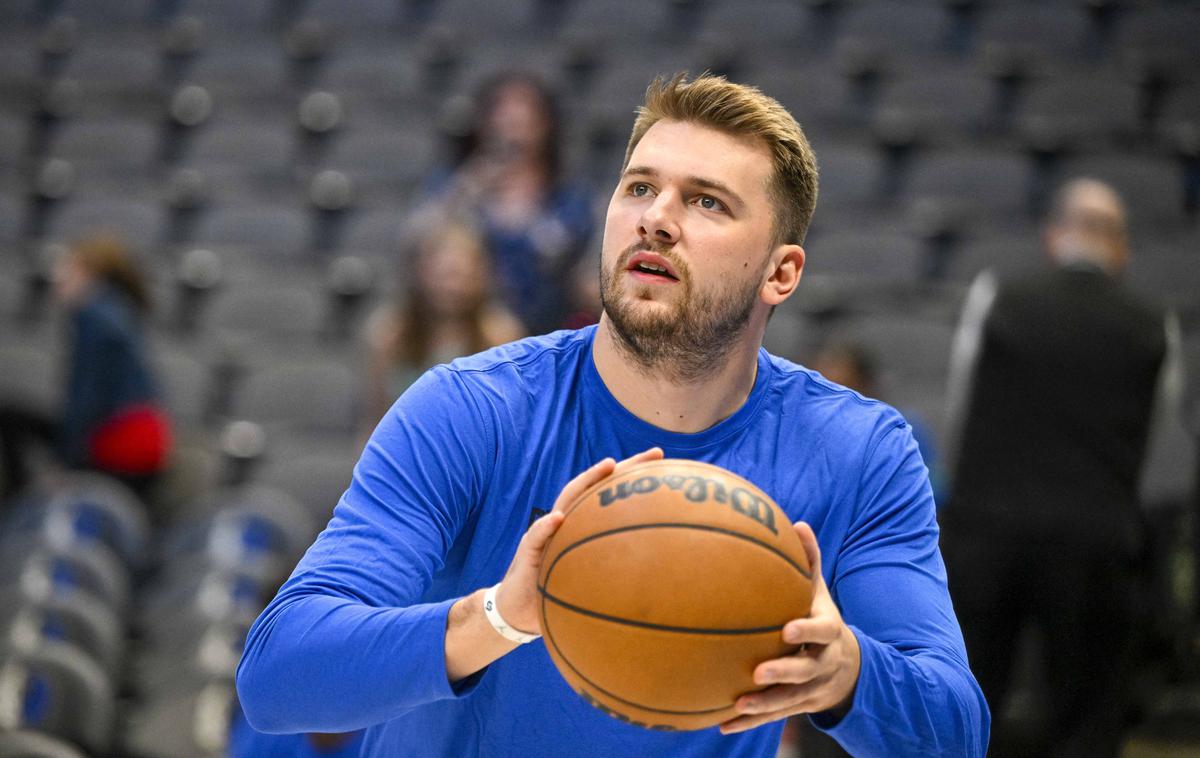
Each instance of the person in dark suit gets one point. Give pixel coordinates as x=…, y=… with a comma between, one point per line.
x=1054, y=382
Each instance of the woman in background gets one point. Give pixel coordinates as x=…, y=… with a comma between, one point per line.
x=446, y=311
x=112, y=420
x=508, y=175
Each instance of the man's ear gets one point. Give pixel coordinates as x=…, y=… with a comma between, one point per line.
x=788, y=265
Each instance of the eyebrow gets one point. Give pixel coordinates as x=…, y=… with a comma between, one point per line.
x=698, y=181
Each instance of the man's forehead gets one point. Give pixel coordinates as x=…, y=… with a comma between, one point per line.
x=689, y=149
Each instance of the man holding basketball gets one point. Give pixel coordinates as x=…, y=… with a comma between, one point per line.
x=408, y=614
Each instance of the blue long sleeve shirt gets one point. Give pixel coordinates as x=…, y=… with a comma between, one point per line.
x=446, y=487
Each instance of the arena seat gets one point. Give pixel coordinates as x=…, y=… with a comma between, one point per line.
x=772, y=24
x=934, y=106
x=262, y=229
x=140, y=223
x=250, y=311
x=116, y=143
x=1006, y=253
x=316, y=396
x=23, y=743
x=81, y=620
x=116, y=66
x=1078, y=111
x=37, y=572
x=972, y=184
x=852, y=176
x=62, y=692
x=883, y=34
x=316, y=478
x=880, y=254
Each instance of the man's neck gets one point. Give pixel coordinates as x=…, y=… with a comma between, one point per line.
x=658, y=399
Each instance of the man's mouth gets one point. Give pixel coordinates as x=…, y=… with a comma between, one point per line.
x=648, y=267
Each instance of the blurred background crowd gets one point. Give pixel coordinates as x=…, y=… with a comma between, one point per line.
x=233, y=231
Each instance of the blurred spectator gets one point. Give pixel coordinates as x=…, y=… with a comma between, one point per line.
x=851, y=364
x=445, y=311
x=1054, y=379
x=509, y=174
x=111, y=419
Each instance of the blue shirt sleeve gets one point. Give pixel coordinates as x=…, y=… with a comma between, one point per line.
x=915, y=694
x=347, y=642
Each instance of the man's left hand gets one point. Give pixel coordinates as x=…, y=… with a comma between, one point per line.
x=821, y=676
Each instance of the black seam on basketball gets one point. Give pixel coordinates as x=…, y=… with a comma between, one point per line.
x=549, y=635
x=669, y=525
x=656, y=627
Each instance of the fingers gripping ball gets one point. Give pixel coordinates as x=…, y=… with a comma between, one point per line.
x=663, y=589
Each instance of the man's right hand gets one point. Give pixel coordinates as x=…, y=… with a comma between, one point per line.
x=517, y=598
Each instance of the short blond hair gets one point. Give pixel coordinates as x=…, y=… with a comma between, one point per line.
x=742, y=111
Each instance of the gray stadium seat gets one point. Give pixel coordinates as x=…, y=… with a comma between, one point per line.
x=314, y=478
x=1166, y=267
x=373, y=71
x=879, y=254
x=261, y=229
x=185, y=382
x=1009, y=252
x=388, y=155
x=41, y=572
x=139, y=223
x=274, y=312
x=317, y=396
x=480, y=20
x=249, y=148
x=30, y=374
x=114, y=66
x=851, y=176
x=63, y=693
x=614, y=22
x=82, y=620
x=973, y=184
x=13, y=135
x=1162, y=38
x=239, y=15
x=1078, y=110
x=763, y=24
x=1027, y=36
x=936, y=105
x=886, y=31
x=119, y=143
x=246, y=67
x=24, y=743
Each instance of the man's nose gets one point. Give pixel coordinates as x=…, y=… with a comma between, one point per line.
x=658, y=222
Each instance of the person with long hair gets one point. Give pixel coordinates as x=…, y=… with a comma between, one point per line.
x=508, y=174
x=112, y=419
x=445, y=310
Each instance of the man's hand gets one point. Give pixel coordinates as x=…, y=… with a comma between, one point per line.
x=821, y=676
x=517, y=598
x=471, y=642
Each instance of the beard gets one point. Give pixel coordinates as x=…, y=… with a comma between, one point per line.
x=690, y=342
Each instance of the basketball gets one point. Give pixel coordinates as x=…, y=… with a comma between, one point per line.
x=664, y=587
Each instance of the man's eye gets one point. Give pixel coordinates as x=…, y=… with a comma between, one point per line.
x=710, y=203
x=639, y=190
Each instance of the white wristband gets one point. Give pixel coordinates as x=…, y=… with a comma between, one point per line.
x=497, y=621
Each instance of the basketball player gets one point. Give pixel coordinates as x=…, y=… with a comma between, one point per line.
x=383, y=624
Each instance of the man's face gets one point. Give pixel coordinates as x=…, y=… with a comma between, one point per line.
x=686, y=245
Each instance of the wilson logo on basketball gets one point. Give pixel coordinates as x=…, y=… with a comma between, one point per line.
x=697, y=489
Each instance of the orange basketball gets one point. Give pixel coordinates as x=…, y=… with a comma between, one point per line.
x=663, y=589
